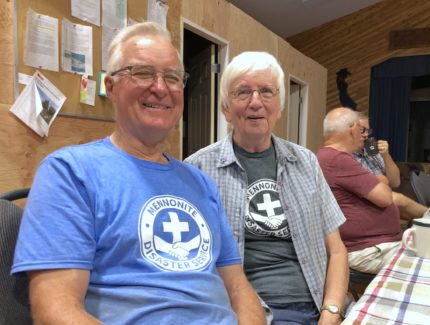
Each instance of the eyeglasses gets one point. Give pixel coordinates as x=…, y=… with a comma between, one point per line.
x=364, y=130
x=146, y=75
x=245, y=93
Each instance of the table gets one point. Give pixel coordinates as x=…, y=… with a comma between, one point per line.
x=399, y=294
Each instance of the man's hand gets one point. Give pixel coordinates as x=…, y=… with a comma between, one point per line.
x=383, y=147
x=391, y=170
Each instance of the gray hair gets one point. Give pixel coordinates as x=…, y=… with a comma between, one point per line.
x=339, y=120
x=248, y=62
x=115, y=54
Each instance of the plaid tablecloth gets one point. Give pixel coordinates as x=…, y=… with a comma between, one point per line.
x=399, y=294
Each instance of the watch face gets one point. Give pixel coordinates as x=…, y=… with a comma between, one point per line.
x=333, y=309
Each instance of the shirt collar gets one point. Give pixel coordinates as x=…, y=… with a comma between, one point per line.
x=227, y=156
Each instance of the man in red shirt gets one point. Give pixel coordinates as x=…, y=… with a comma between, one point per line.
x=372, y=231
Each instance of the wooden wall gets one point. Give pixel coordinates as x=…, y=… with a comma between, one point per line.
x=360, y=41
x=246, y=34
x=21, y=150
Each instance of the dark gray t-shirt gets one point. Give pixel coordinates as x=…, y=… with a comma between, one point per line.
x=270, y=261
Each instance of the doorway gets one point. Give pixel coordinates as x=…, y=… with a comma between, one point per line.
x=204, y=56
x=297, y=111
x=418, y=149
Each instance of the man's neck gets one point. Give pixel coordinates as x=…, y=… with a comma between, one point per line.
x=138, y=149
x=339, y=146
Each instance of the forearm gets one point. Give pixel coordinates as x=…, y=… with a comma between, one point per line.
x=391, y=171
x=381, y=195
x=383, y=179
x=336, y=284
x=61, y=313
x=57, y=297
x=243, y=298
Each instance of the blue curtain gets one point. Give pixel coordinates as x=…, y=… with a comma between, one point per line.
x=389, y=102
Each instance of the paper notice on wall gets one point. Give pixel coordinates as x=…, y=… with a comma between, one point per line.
x=38, y=104
x=87, y=10
x=87, y=93
x=157, y=11
x=108, y=34
x=114, y=13
x=41, y=41
x=77, y=48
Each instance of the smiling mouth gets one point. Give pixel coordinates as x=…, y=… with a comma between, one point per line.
x=156, y=106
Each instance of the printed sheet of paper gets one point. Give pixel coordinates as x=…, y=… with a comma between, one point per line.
x=108, y=34
x=87, y=10
x=114, y=18
x=157, y=11
x=114, y=13
x=87, y=93
x=41, y=42
x=38, y=104
x=24, y=79
x=77, y=48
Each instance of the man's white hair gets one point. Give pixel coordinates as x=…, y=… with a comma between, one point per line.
x=249, y=62
x=339, y=120
x=150, y=29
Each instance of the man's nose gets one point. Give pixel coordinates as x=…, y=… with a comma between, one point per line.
x=255, y=98
x=159, y=82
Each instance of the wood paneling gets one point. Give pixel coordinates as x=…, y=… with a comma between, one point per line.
x=360, y=41
x=22, y=150
x=7, y=63
x=246, y=34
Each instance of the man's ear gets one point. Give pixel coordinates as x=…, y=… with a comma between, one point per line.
x=226, y=111
x=108, y=85
x=278, y=116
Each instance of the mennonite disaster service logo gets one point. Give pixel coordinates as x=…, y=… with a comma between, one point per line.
x=265, y=216
x=173, y=235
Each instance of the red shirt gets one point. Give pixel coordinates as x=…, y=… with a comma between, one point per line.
x=366, y=224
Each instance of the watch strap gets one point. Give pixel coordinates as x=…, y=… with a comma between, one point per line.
x=334, y=309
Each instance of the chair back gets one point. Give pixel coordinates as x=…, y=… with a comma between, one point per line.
x=14, y=303
x=360, y=279
x=421, y=185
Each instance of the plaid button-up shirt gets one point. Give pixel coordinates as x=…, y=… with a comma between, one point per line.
x=308, y=203
x=374, y=164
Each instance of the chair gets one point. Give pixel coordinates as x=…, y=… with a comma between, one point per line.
x=21, y=193
x=358, y=278
x=421, y=185
x=14, y=304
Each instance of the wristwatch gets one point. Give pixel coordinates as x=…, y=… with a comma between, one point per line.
x=334, y=309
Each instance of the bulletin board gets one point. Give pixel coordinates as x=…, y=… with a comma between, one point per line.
x=69, y=83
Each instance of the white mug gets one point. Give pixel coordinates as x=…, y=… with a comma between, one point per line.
x=420, y=232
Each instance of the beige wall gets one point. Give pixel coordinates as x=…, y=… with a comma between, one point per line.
x=246, y=34
x=360, y=41
x=21, y=150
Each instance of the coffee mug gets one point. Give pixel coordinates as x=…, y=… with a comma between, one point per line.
x=420, y=233
x=371, y=146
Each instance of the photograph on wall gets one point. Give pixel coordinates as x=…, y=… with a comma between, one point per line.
x=38, y=104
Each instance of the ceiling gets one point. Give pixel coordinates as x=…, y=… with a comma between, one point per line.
x=290, y=17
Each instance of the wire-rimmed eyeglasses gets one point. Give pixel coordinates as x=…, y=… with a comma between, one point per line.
x=364, y=130
x=146, y=75
x=245, y=93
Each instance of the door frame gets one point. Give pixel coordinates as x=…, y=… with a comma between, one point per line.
x=304, y=108
x=223, y=49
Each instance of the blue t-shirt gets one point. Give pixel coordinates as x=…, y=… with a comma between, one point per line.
x=151, y=234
